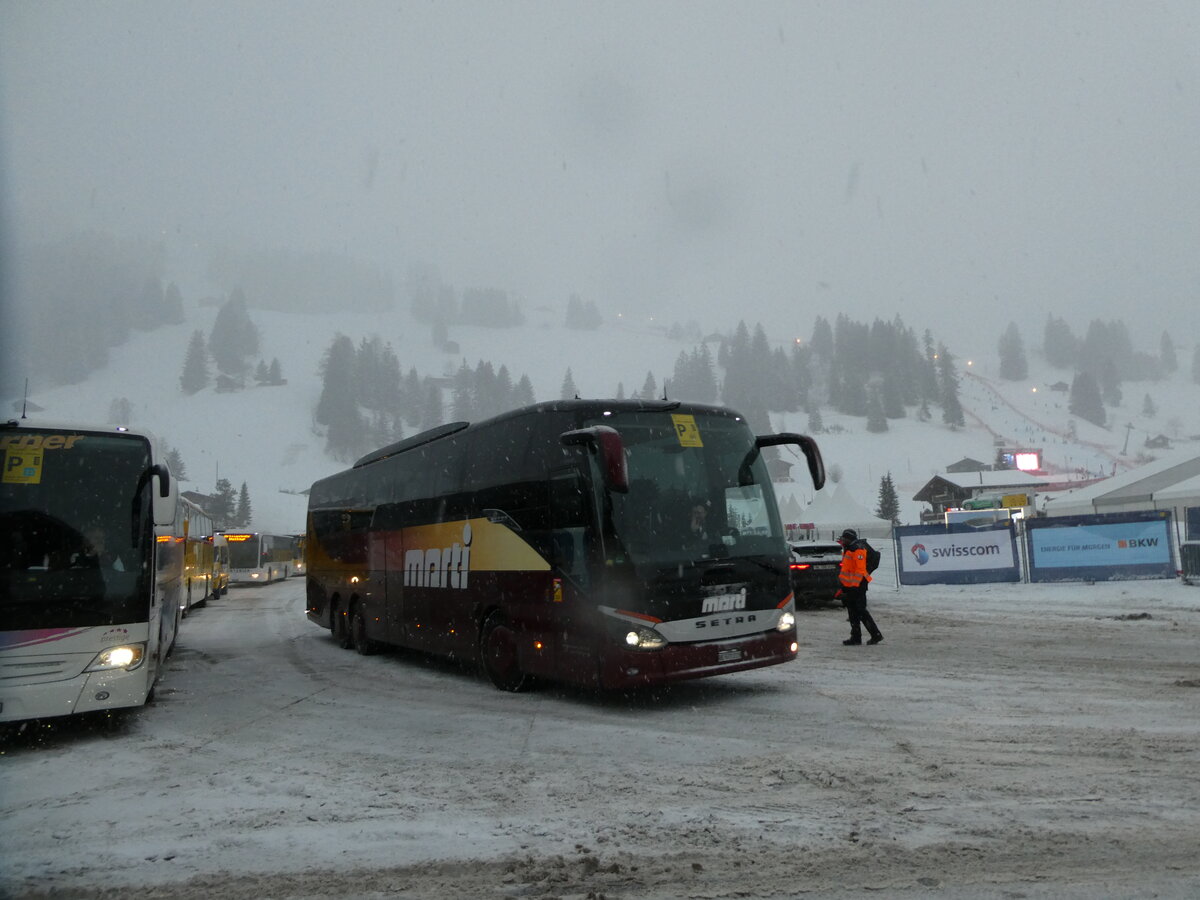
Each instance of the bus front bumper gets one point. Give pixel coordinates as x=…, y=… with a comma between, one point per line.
x=89, y=692
x=623, y=668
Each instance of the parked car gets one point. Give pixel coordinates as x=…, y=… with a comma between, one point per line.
x=815, y=566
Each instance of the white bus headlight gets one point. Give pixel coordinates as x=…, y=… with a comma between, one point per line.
x=125, y=656
x=644, y=639
x=787, y=621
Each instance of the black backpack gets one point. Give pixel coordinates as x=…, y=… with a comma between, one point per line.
x=873, y=557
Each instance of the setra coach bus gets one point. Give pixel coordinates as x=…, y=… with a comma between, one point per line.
x=611, y=544
x=91, y=569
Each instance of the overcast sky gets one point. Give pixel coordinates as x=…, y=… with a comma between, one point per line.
x=767, y=161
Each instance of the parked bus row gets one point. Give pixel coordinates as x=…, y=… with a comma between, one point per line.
x=100, y=560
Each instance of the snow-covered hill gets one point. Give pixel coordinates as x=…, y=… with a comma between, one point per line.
x=265, y=436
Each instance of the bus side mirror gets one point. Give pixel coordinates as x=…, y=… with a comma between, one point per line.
x=164, y=495
x=812, y=455
x=609, y=447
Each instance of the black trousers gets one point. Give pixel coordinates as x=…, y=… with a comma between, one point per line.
x=856, y=608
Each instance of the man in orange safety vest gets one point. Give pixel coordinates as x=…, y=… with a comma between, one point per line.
x=853, y=592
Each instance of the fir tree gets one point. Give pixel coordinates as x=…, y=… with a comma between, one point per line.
x=223, y=506
x=1059, y=345
x=175, y=464
x=649, y=388
x=1166, y=354
x=244, y=513
x=815, y=425
x=876, y=420
x=195, y=375
x=1013, y=365
x=568, y=391
x=893, y=398
x=1086, y=400
x=432, y=412
x=261, y=373
x=889, y=502
x=338, y=395
x=952, y=411
x=822, y=339
x=1110, y=383
x=234, y=336
x=462, y=394
x=504, y=389
x=1149, y=410
x=337, y=409
x=523, y=392
x=275, y=373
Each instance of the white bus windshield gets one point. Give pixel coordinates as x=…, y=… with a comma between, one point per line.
x=74, y=529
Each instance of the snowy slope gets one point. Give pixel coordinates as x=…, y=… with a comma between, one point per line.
x=265, y=436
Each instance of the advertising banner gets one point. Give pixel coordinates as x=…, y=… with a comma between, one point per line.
x=1100, y=548
x=957, y=554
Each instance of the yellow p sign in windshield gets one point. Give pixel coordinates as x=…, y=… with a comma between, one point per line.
x=22, y=466
x=686, y=430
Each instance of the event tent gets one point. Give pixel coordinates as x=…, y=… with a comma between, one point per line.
x=1172, y=482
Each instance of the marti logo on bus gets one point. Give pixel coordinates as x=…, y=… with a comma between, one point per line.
x=440, y=567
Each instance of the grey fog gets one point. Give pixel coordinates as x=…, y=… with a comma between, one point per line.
x=681, y=161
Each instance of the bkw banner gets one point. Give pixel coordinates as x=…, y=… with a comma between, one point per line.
x=1108, y=547
x=956, y=554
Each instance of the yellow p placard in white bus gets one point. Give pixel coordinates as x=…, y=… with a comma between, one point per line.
x=23, y=467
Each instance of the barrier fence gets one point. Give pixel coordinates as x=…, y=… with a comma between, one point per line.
x=1113, y=547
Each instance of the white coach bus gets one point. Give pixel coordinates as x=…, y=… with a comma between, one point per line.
x=91, y=569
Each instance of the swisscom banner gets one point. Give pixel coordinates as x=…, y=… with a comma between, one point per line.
x=1101, y=548
x=957, y=554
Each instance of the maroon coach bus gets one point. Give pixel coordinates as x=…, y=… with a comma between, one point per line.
x=607, y=543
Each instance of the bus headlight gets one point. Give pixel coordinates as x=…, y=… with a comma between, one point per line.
x=644, y=639
x=125, y=656
x=787, y=621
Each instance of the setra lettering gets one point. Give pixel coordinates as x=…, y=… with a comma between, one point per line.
x=729, y=620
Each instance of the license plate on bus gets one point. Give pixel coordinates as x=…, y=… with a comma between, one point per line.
x=729, y=655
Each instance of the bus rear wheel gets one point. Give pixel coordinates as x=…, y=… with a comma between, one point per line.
x=498, y=654
x=358, y=632
x=339, y=625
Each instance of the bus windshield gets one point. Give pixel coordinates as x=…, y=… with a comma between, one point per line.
x=244, y=551
x=74, y=529
x=698, y=489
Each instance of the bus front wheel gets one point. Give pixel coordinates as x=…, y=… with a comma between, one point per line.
x=498, y=654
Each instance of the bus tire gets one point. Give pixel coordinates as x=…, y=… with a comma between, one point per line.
x=339, y=625
x=498, y=654
x=358, y=632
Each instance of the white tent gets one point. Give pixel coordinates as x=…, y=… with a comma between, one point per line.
x=833, y=511
x=1172, y=482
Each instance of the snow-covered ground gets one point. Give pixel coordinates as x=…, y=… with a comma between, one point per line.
x=1003, y=741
